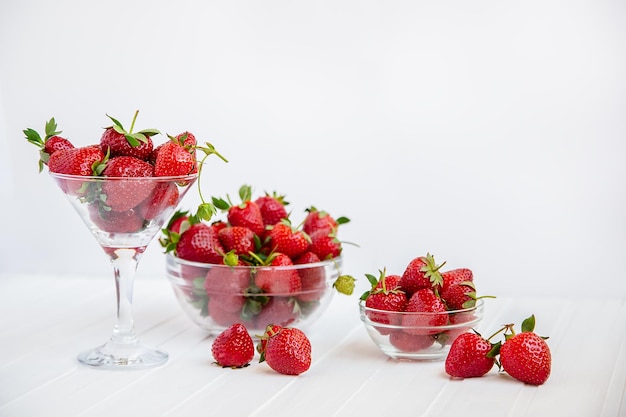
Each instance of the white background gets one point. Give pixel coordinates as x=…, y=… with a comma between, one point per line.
x=489, y=133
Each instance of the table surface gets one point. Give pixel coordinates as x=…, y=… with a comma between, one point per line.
x=46, y=320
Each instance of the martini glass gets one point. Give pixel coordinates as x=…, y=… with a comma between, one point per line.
x=124, y=214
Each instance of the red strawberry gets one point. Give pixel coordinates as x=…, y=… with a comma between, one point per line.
x=313, y=278
x=459, y=296
x=233, y=347
x=410, y=342
x=116, y=141
x=385, y=295
x=286, y=350
x=246, y=214
x=172, y=159
x=164, y=195
x=285, y=239
x=238, y=239
x=526, y=356
x=225, y=287
x=456, y=276
x=187, y=139
x=282, y=311
x=325, y=244
x=50, y=143
x=199, y=243
x=321, y=220
x=76, y=161
x=421, y=272
x=276, y=280
x=469, y=356
x=424, y=301
x=115, y=221
x=272, y=208
x=223, y=317
x=123, y=195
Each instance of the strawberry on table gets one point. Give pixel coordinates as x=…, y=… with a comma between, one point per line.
x=233, y=348
x=469, y=356
x=287, y=350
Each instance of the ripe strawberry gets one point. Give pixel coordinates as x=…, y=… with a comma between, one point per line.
x=285, y=239
x=456, y=276
x=164, y=195
x=424, y=301
x=50, y=143
x=313, y=278
x=410, y=342
x=321, y=220
x=272, y=208
x=199, y=243
x=238, y=239
x=287, y=350
x=276, y=280
x=123, y=195
x=469, y=356
x=83, y=161
x=224, y=286
x=115, y=221
x=421, y=272
x=116, y=141
x=172, y=159
x=224, y=317
x=325, y=244
x=459, y=296
x=526, y=356
x=385, y=295
x=282, y=311
x=246, y=214
x=233, y=347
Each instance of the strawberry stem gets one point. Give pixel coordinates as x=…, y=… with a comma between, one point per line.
x=132, y=124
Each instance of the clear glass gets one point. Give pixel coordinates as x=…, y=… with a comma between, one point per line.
x=216, y=296
x=418, y=336
x=123, y=215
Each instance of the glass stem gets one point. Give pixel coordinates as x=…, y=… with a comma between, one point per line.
x=124, y=262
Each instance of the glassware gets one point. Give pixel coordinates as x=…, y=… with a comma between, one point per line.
x=124, y=214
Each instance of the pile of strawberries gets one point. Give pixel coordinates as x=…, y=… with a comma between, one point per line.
x=256, y=233
x=287, y=350
x=525, y=356
x=422, y=288
x=122, y=207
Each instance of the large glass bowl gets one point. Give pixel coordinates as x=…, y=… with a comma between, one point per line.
x=217, y=296
x=418, y=336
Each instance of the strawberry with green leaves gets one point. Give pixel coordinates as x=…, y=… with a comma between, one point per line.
x=287, y=350
x=526, y=356
x=284, y=238
x=385, y=296
x=84, y=161
x=246, y=214
x=421, y=272
x=117, y=141
x=277, y=280
x=272, y=208
x=325, y=244
x=470, y=356
x=233, y=347
x=50, y=143
x=321, y=220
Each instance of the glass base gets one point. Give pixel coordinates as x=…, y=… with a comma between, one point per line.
x=113, y=356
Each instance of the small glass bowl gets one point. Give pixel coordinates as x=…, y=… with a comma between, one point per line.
x=418, y=336
x=217, y=296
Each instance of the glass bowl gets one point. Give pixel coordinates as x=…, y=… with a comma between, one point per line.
x=217, y=296
x=418, y=336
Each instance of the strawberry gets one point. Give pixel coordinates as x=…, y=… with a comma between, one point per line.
x=287, y=350
x=385, y=295
x=424, y=301
x=321, y=220
x=272, y=208
x=225, y=287
x=116, y=141
x=224, y=316
x=459, y=296
x=50, y=143
x=172, y=159
x=246, y=214
x=325, y=244
x=313, y=278
x=279, y=310
x=283, y=238
x=273, y=279
x=238, y=239
x=83, y=161
x=164, y=195
x=421, y=272
x=123, y=195
x=456, y=276
x=526, y=356
x=199, y=243
x=469, y=356
x=410, y=342
x=233, y=347
x=115, y=221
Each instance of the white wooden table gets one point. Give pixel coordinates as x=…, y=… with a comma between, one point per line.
x=46, y=320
